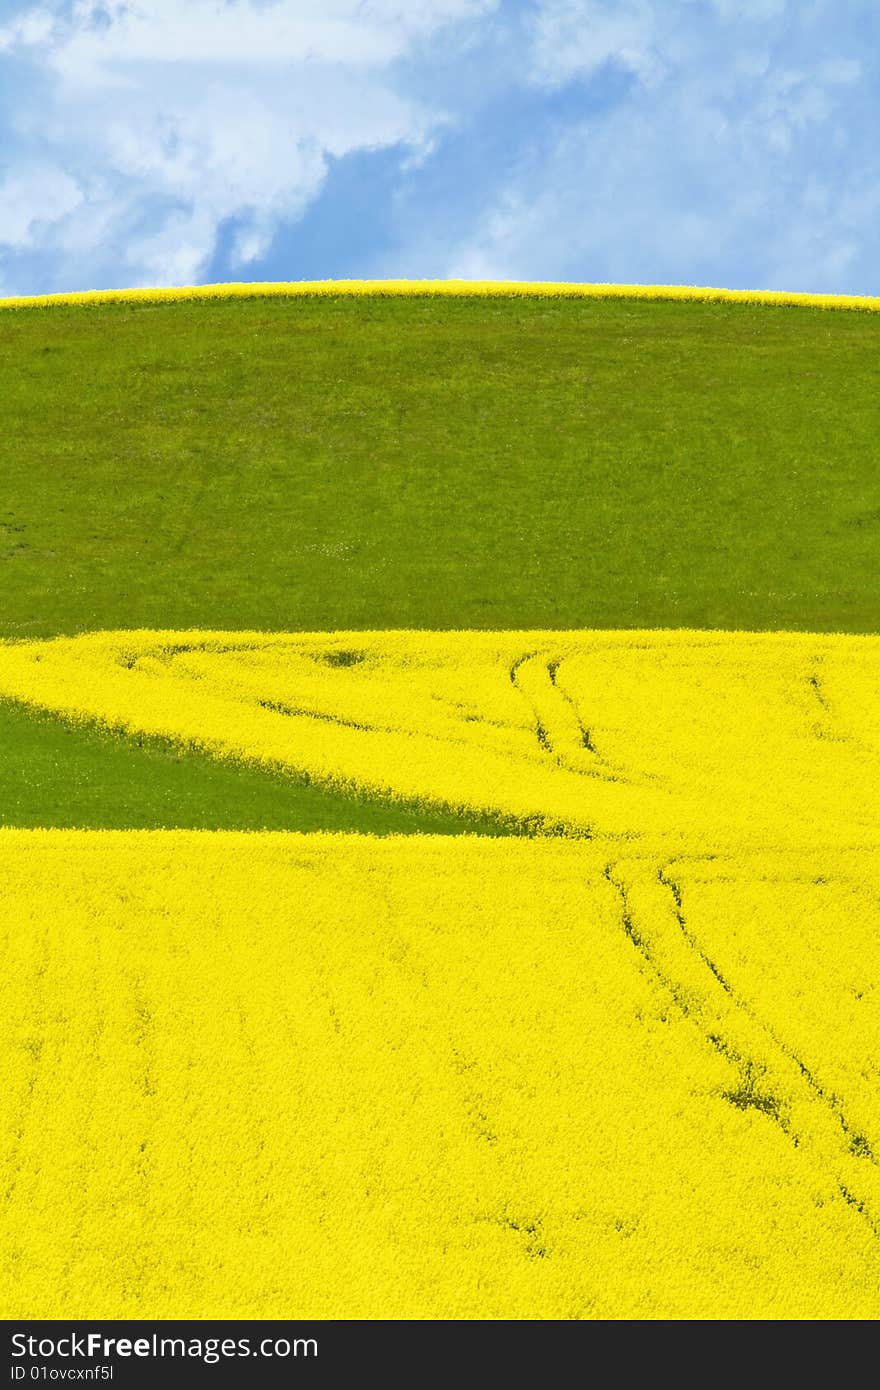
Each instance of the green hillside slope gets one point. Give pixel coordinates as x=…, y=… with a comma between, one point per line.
x=340, y=463
x=344, y=463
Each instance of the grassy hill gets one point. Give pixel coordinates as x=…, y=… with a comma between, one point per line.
x=363, y=463
x=366, y=463
x=623, y=1066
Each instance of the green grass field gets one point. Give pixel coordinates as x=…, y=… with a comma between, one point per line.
x=339, y=463
x=297, y=464
x=72, y=777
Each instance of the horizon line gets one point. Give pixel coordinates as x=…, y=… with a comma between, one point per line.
x=462, y=289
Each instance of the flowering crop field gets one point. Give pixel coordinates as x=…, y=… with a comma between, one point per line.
x=625, y=1067
x=428, y=1078
x=443, y=289
x=706, y=739
x=439, y=834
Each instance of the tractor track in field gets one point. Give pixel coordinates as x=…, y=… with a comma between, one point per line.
x=764, y=1081
x=552, y=693
x=857, y=1142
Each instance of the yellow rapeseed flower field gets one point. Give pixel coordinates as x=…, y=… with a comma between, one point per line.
x=705, y=740
x=246, y=1074
x=525, y=289
x=627, y=1068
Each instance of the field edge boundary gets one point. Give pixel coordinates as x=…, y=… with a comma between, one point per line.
x=461, y=289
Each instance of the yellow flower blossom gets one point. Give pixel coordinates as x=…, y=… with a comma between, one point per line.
x=703, y=740
x=629, y=1069
x=273, y=1075
x=517, y=289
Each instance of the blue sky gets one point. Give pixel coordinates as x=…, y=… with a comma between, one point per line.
x=722, y=142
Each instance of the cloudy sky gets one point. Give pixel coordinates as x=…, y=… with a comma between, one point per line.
x=720, y=142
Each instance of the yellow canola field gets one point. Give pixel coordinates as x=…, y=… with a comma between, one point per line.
x=629, y=1069
x=704, y=741
x=272, y=1075
x=506, y=289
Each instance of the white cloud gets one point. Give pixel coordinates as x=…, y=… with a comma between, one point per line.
x=103, y=34
x=719, y=163
x=176, y=118
x=175, y=253
x=737, y=11
x=30, y=29
x=728, y=141
x=840, y=72
x=33, y=200
x=573, y=38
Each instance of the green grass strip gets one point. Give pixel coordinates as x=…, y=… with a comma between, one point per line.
x=57, y=775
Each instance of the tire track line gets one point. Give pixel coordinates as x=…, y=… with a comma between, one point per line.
x=772, y=1078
